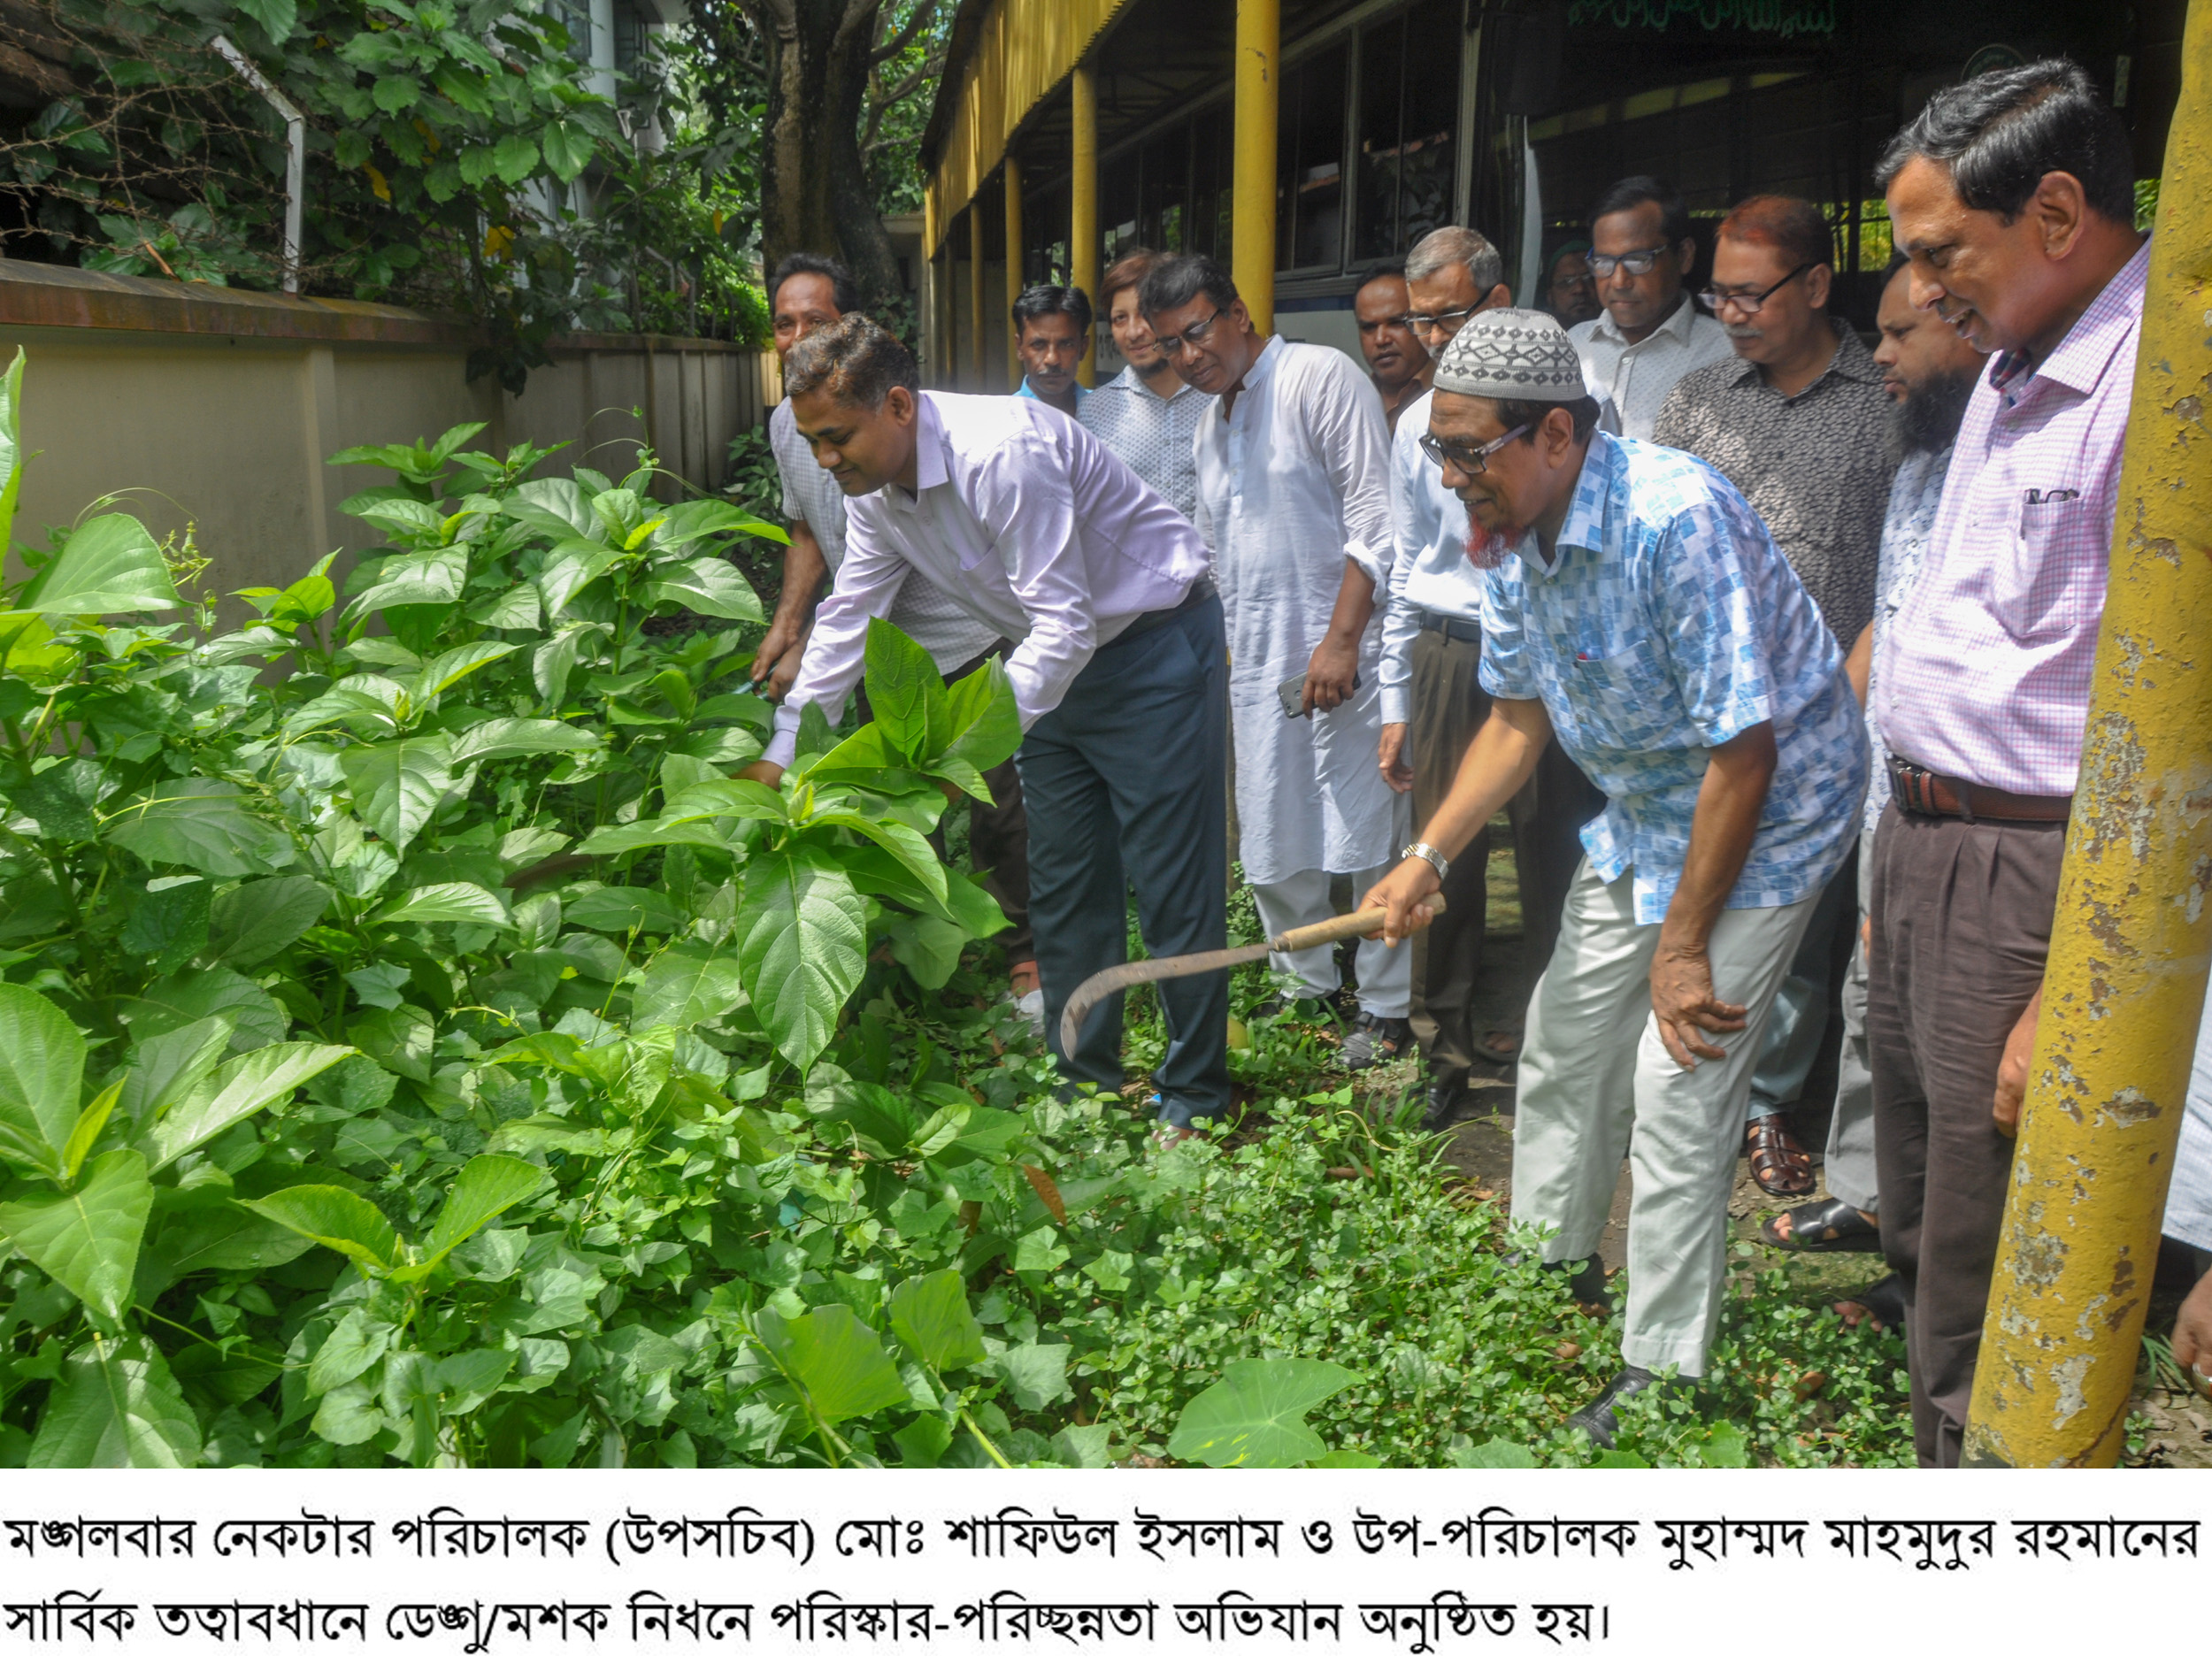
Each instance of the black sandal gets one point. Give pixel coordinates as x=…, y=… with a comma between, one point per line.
x=1884, y=1303
x=1826, y=1227
x=1777, y=1159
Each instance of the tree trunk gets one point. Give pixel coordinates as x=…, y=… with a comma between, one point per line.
x=814, y=185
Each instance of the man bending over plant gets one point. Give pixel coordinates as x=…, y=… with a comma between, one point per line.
x=1120, y=668
x=1636, y=607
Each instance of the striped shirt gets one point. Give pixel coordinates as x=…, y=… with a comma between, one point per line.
x=1638, y=377
x=1985, y=674
x=1152, y=435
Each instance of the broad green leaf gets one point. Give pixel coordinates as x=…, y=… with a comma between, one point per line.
x=92, y=1120
x=710, y=586
x=567, y=149
x=200, y=824
x=515, y=158
x=10, y=446
x=929, y=947
x=357, y=1345
x=42, y=1080
x=972, y=907
x=553, y=505
x=718, y=797
x=1253, y=1416
x=86, y=1239
x=456, y=664
x=109, y=566
x=399, y=1040
x=569, y=567
x=419, y=578
x=1036, y=1375
x=1493, y=1453
x=1346, y=1459
x=697, y=519
x=243, y=1086
x=622, y=911
x=494, y=739
x=258, y=919
x=170, y=1064
x=396, y=787
x=184, y=998
x=802, y=946
x=910, y=847
x=168, y=922
x=279, y=18
x=487, y=1186
x=516, y=609
x=900, y=680
x=835, y=1362
x=205, y=1229
x=552, y=661
x=932, y=1317
x=400, y=515
x=337, y=1218
x=979, y=721
x=682, y=989
x=116, y=1406
x=448, y=902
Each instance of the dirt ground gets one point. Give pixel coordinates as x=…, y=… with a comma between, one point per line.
x=2178, y=1425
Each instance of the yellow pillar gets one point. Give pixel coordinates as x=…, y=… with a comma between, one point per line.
x=1083, y=246
x=1252, y=203
x=2125, y=982
x=1013, y=262
x=979, y=361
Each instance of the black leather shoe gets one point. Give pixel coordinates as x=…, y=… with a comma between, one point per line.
x=1600, y=1418
x=1439, y=1101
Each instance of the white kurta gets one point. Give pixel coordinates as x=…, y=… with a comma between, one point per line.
x=1291, y=482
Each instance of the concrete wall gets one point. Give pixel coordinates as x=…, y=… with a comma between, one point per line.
x=195, y=404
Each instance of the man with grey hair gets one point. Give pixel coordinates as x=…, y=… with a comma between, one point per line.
x=1433, y=706
x=1635, y=607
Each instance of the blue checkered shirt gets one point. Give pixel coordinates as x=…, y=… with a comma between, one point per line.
x=1669, y=623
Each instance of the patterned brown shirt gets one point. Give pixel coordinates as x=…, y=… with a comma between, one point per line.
x=1815, y=466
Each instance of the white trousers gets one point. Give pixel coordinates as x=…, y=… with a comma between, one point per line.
x=1596, y=1084
x=1386, y=973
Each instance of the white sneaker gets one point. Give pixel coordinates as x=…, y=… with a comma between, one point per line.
x=1030, y=1007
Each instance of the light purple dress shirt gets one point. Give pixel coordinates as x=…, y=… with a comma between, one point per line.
x=1984, y=673
x=1030, y=523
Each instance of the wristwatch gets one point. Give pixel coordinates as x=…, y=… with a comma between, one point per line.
x=1435, y=861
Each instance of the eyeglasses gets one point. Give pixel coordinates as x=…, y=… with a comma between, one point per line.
x=1751, y=302
x=1470, y=461
x=1637, y=261
x=1425, y=323
x=1196, y=334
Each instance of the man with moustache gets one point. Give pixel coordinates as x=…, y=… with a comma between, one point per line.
x=1396, y=361
x=1928, y=372
x=1650, y=336
x=1146, y=413
x=1052, y=334
x=1433, y=705
x=1799, y=422
x=2012, y=198
x=1636, y=607
x=1294, y=498
x=1118, y=669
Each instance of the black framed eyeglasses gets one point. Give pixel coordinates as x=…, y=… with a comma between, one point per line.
x=1470, y=461
x=1450, y=322
x=1637, y=261
x=1751, y=302
x=1196, y=334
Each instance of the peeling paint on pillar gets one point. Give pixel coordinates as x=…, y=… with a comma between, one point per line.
x=2130, y=940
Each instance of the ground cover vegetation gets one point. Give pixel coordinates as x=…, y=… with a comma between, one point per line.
x=422, y=1051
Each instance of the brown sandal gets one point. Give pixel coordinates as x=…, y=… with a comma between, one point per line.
x=1781, y=1165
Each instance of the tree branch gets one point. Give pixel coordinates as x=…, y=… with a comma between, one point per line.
x=905, y=37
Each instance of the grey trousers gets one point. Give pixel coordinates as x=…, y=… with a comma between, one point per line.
x=1126, y=784
x=1850, y=1158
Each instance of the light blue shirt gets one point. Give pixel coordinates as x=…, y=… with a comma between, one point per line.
x=1152, y=435
x=1669, y=623
x=1028, y=394
x=1914, y=494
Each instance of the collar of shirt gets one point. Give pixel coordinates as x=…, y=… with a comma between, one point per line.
x=1028, y=394
x=1675, y=325
x=933, y=458
x=1128, y=381
x=1852, y=361
x=1586, y=511
x=1262, y=369
x=2084, y=353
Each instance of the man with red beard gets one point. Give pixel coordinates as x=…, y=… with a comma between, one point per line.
x=1636, y=607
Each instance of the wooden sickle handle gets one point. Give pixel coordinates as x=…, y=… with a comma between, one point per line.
x=1356, y=923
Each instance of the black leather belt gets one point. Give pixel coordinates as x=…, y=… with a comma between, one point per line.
x=1919, y=790
x=1201, y=590
x=1451, y=627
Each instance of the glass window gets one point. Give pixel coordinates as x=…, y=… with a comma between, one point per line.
x=1309, y=164
x=1117, y=200
x=1212, y=170
x=1409, y=102
x=1165, y=188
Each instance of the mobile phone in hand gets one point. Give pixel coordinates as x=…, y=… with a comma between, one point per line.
x=1293, y=694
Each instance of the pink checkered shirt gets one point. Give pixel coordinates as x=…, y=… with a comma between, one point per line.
x=1984, y=673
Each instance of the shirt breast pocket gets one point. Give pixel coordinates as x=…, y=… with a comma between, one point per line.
x=2050, y=567
x=1623, y=688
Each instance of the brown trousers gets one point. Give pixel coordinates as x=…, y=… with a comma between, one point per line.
x=998, y=835
x=1448, y=707
x=1962, y=917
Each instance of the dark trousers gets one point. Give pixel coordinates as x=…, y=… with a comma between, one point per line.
x=998, y=835
x=1962, y=917
x=1448, y=707
x=1127, y=785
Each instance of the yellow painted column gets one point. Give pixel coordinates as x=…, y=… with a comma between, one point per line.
x=1252, y=203
x=2125, y=982
x=978, y=358
x=1083, y=245
x=1013, y=263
